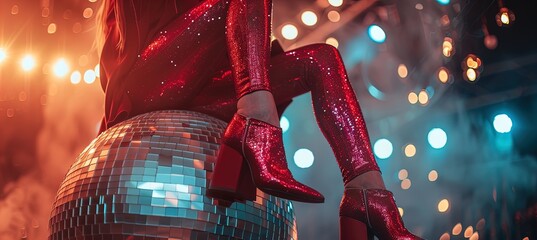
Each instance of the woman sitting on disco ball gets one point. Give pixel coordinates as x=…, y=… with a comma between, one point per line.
x=214, y=57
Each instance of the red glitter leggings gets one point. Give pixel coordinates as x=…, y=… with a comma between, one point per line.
x=188, y=66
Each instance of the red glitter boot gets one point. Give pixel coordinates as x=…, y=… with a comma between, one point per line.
x=367, y=212
x=252, y=155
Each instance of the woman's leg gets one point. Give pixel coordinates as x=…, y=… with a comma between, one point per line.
x=317, y=68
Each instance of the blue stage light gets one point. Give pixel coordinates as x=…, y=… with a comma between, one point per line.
x=443, y=2
x=437, y=138
x=383, y=148
x=502, y=123
x=376, y=33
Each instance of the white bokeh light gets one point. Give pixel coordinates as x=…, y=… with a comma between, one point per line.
x=76, y=77
x=89, y=76
x=289, y=31
x=61, y=68
x=502, y=123
x=3, y=55
x=303, y=158
x=437, y=138
x=309, y=18
x=284, y=124
x=383, y=148
x=28, y=63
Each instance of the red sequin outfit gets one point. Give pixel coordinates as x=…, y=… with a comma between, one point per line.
x=204, y=55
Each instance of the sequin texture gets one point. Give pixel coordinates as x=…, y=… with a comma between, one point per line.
x=376, y=208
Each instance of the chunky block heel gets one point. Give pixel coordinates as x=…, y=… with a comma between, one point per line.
x=351, y=229
x=232, y=180
x=252, y=155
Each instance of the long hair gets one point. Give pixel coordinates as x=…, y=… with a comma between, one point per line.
x=118, y=8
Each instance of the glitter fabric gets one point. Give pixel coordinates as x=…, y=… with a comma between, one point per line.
x=186, y=66
x=145, y=178
x=260, y=146
x=377, y=210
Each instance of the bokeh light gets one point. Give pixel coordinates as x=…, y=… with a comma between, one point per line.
x=443, y=205
x=502, y=123
x=383, y=148
x=332, y=41
x=97, y=70
x=437, y=138
x=289, y=31
x=76, y=77
x=336, y=3
x=402, y=71
x=406, y=184
x=303, y=158
x=51, y=29
x=471, y=74
x=443, y=75
x=505, y=17
x=61, y=68
x=475, y=236
x=334, y=16
x=433, y=175
x=445, y=236
x=457, y=229
x=410, y=150
x=468, y=232
x=412, y=98
x=376, y=33
x=3, y=55
x=401, y=211
x=447, y=47
x=284, y=124
x=423, y=97
x=309, y=18
x=403, y=174
x=28, y=63
x=89, y=76
x=443, y=2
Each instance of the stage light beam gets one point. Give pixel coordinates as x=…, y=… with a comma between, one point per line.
x=502, y=123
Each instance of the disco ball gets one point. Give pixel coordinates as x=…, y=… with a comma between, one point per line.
x=145, y=178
